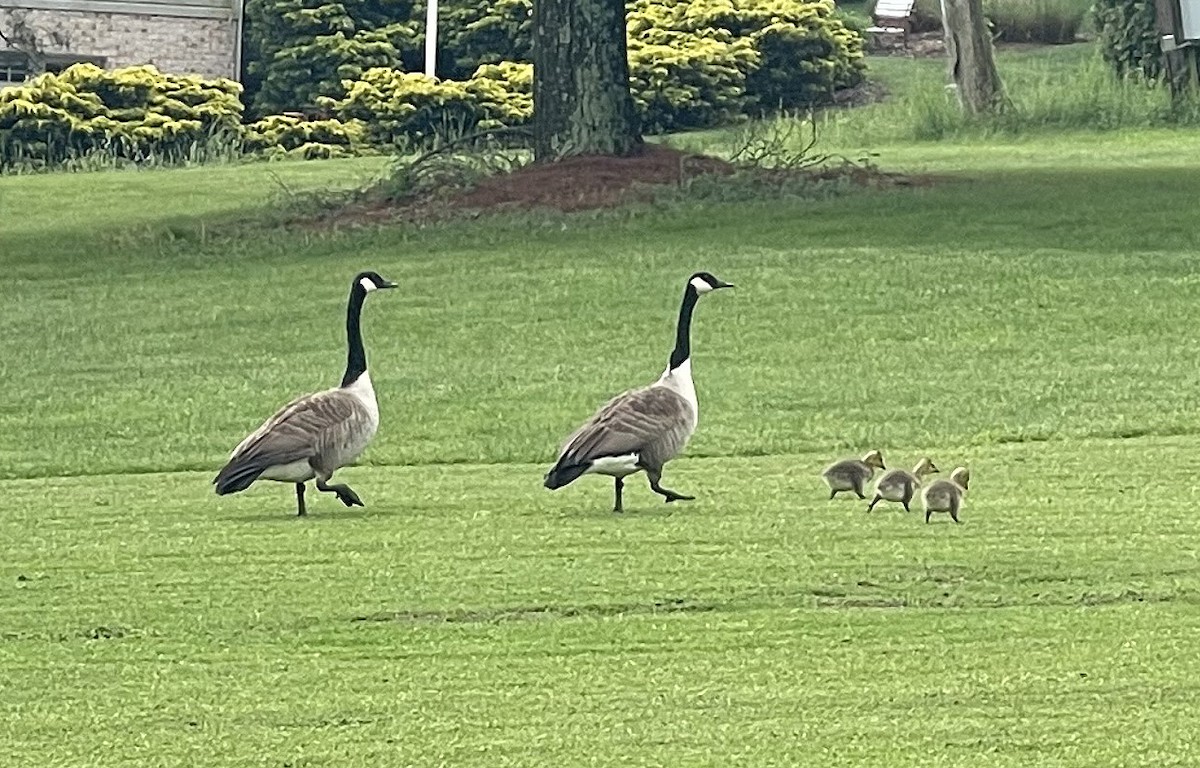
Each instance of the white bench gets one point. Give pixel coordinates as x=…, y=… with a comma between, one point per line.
x=893, y=17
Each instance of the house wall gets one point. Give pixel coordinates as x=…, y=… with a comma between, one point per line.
x=202, y=42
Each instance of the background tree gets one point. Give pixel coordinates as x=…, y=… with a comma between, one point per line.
x=972, y=60
x=581, y=98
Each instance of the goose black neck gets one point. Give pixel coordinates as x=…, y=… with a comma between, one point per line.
x=356, y=356
x=683, y=346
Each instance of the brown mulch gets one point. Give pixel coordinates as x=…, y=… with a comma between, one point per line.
x=588, y=182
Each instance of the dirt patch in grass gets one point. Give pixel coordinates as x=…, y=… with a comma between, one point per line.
x=583, y=183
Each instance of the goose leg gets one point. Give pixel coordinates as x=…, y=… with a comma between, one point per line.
x=954, y=511
x=927, y=514
x=874, y=501
x=301, y=511
x=907, y=499
x=619, y=486
x=858, y=488
x=345, y=493
x=832, y=494
x=655, y=475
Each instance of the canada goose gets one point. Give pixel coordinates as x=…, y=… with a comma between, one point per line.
x=946, y=495
x=900, y=484
x=641, y=429
x=314, y=435
x=852, y=474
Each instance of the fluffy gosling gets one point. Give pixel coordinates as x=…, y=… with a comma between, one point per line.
x=946, y=495
x=852, y=474
x=900, y=484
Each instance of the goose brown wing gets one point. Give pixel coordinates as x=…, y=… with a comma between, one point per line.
x=629, y=423
x=298, y=430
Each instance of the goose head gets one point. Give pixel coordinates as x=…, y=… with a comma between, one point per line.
x=371, y=281
x=961, y=476
x=703, y=282
x=925, y=467
x=874, y=459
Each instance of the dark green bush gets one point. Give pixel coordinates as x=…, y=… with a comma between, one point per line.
x=1128, y=37
x=477, y=32
x=298, y=50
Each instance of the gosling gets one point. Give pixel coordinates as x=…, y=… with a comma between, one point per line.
x=852, y=474
x=900, y=484
x=946, y=495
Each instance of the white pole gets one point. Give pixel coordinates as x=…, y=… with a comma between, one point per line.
x=431, y=15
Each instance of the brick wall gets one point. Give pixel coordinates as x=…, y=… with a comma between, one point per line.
x=174, y=44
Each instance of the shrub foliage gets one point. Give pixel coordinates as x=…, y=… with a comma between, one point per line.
x=1129, y=37
x=327, y=78
x=135, y=114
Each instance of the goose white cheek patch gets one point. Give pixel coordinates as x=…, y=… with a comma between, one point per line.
x=367, y=285
x=700, y=285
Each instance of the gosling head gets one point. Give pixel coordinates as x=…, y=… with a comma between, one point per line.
x=703, y=282
x=961, y=476
x=371, y=281
x=874, y=459
x=925, y=467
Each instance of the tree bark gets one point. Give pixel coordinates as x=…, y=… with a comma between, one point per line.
x=581, y=99
x=972, y=60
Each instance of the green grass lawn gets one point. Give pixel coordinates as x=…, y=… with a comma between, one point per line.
x=1032, y=314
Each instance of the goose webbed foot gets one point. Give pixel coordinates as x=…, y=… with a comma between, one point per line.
x=667, y=494
x=345, y=493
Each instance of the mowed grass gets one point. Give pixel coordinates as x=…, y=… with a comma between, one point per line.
x=1033, y=319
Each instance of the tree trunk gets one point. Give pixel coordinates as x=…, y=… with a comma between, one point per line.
x=581, y=99
x=972, y=61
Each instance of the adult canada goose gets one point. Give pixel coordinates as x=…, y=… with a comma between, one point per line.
x=641, y=429
x=314, y=435
x=900, y=484
x=852, y=474
x=946, y=495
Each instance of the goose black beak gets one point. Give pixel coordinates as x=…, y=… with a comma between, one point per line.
x=722, y=284
x=390, y=284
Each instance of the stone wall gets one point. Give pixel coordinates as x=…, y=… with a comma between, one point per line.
x=175, y=44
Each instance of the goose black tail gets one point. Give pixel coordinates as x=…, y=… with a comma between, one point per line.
x=235, y=477
x=563, y=475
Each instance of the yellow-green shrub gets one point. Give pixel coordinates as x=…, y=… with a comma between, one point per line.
x=135, y=113
x=804, y=49
x=689, y=82
x=292, y=136
x=401, y=108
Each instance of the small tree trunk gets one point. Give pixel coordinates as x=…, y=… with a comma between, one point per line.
x=581, y=99
x=972, y=62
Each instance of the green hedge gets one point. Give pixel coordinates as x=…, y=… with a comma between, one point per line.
x=405, y=108
x=732, y=55
x=135, y=114
x=293, y=136
x=803, y=49
x=690, y=82
x=693, y=63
